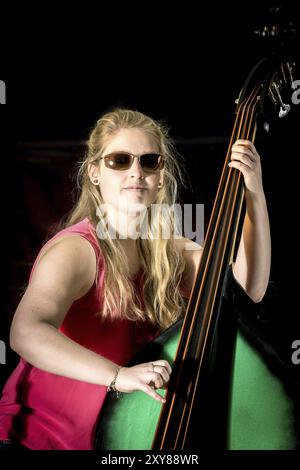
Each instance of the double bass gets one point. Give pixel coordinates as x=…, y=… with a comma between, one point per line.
x=219, y=392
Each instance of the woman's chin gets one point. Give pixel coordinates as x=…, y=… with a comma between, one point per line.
x=132, y=205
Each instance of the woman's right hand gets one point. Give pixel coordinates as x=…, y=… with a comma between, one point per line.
x=145, y=377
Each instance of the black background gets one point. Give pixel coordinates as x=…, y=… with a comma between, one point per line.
x=183, y=64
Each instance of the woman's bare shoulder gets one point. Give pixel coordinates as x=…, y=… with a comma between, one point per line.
x=192, y=253
x=59, y=278
x=78, y=254
x=185, y=245
x=69, y=242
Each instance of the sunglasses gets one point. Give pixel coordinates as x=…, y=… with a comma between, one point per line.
x=121, y=161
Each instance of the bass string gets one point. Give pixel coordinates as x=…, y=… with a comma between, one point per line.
x=240, y=123
x=245, y=125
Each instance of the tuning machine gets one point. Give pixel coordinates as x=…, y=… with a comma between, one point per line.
x=268, y=31
x=237, y=101
x=284, y=108
x=287, y=69
x=281, y=84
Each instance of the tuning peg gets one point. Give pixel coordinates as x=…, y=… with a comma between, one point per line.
x=284, y=72
x=267, y=31
x=237, y=100
x=290, y=69
x=287, y=73
x=284, y=110
x=272, y=96
x=274, y=30
x=275, y=96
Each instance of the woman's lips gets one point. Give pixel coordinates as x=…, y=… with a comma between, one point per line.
x=135, y=189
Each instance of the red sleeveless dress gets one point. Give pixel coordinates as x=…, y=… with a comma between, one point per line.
x=47, y=411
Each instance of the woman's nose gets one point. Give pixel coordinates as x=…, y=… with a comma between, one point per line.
x=136, y=168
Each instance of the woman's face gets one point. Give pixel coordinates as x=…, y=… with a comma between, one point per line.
x=114, y=184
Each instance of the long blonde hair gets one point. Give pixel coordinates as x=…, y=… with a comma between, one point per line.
x=162, y=262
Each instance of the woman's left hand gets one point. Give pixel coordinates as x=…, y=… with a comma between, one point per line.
x=245, y=158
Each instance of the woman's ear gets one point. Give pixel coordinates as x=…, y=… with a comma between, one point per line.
x=93, y=172
x=161, y=179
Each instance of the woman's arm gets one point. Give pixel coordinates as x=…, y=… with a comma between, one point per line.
x=57, y=281
x=251, y=268
x=62, y=275
x=253, y=261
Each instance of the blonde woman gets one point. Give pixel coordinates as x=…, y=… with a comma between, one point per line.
x=99, y=291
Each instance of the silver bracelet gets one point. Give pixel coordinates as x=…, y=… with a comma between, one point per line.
x=112, y=385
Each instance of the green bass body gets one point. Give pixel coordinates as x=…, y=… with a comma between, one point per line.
x=261, y=415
